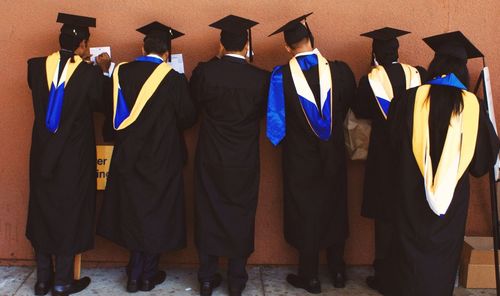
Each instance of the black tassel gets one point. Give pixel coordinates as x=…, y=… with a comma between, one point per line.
x=309, y=33
x=250, y=47
x=170, y=50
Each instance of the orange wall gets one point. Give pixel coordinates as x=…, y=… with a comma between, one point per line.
x=28, y=29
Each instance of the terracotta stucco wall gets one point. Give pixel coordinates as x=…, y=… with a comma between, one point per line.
x=28, y=29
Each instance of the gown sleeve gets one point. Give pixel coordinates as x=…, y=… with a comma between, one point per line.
x=96, y=91
x=362, y=102
x=184, y=108
x=264, y=93
x=348, y=85
x=487, y=146
x=196, y=87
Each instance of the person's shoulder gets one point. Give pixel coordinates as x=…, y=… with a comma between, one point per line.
x=176, y=75
x=210, y=65
x=35, y=61
x=363, y=80
x=258, y=71
x=341, y=69
x=88, y=66
x=341, y=65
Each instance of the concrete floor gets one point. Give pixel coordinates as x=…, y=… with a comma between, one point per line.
x=264, y=280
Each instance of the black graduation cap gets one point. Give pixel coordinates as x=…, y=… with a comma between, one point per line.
x=294, y=30
x=76, y=25
x=384, y=34
x=235, y=30
x=454, y=44
x=385, y=41
x=162, y=32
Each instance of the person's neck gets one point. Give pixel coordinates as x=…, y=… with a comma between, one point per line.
x=67, y=51
x=152, y=54
x=301, y=50
x=238, y=53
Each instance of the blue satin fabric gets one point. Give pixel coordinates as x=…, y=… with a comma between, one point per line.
x=122, y=111
x=448, y=80
x=321, y=125
x=54, y=109
x=276, y=124
x=149, y=59
x=384, y=104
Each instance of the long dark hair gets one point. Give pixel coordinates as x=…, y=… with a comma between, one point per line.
x=444, y=100
x=442, y=65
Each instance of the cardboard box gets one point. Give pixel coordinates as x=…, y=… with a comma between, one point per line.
x=477, y=266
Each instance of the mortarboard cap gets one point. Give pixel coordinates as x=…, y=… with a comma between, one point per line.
x=76, y=25
x=160, y=31
x=385, y=34
x=453, y=44
x=294, y=30
x=235, y=32
x=385, y=42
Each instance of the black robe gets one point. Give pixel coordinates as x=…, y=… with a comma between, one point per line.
x=231, y=95
x=61, y=211
x=314, y=171
x=143, y=207
x=375, y=189
x=427, y=251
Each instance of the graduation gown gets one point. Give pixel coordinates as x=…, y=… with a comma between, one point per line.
x=376, y=182
x=231, y=95
x=428, y=247
x=314, y=171
x=143, y=207
x=61, y=210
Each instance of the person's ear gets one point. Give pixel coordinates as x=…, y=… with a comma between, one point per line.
x=221, y=52
x=83, y=44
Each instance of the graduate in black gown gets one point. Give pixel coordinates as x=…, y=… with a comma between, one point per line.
x=440, y=133
x=143, y=208
x=314, y=159
x=66, y=90
x=231, y=95
x=387, y=79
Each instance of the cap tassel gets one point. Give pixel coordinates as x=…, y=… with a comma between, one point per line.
x=250, y=47
x=169, y=51
x=309, y=33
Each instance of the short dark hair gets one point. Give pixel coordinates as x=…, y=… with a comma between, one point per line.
x=298, y=43
x=234, y=41
x=155, y=45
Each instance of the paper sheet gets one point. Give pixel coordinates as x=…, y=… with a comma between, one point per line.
x=95, y=51
x=177, y=63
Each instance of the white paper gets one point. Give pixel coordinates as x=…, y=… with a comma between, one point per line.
x=95, y=51
x=177, y=63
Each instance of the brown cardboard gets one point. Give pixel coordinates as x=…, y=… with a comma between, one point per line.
x=477, y=265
